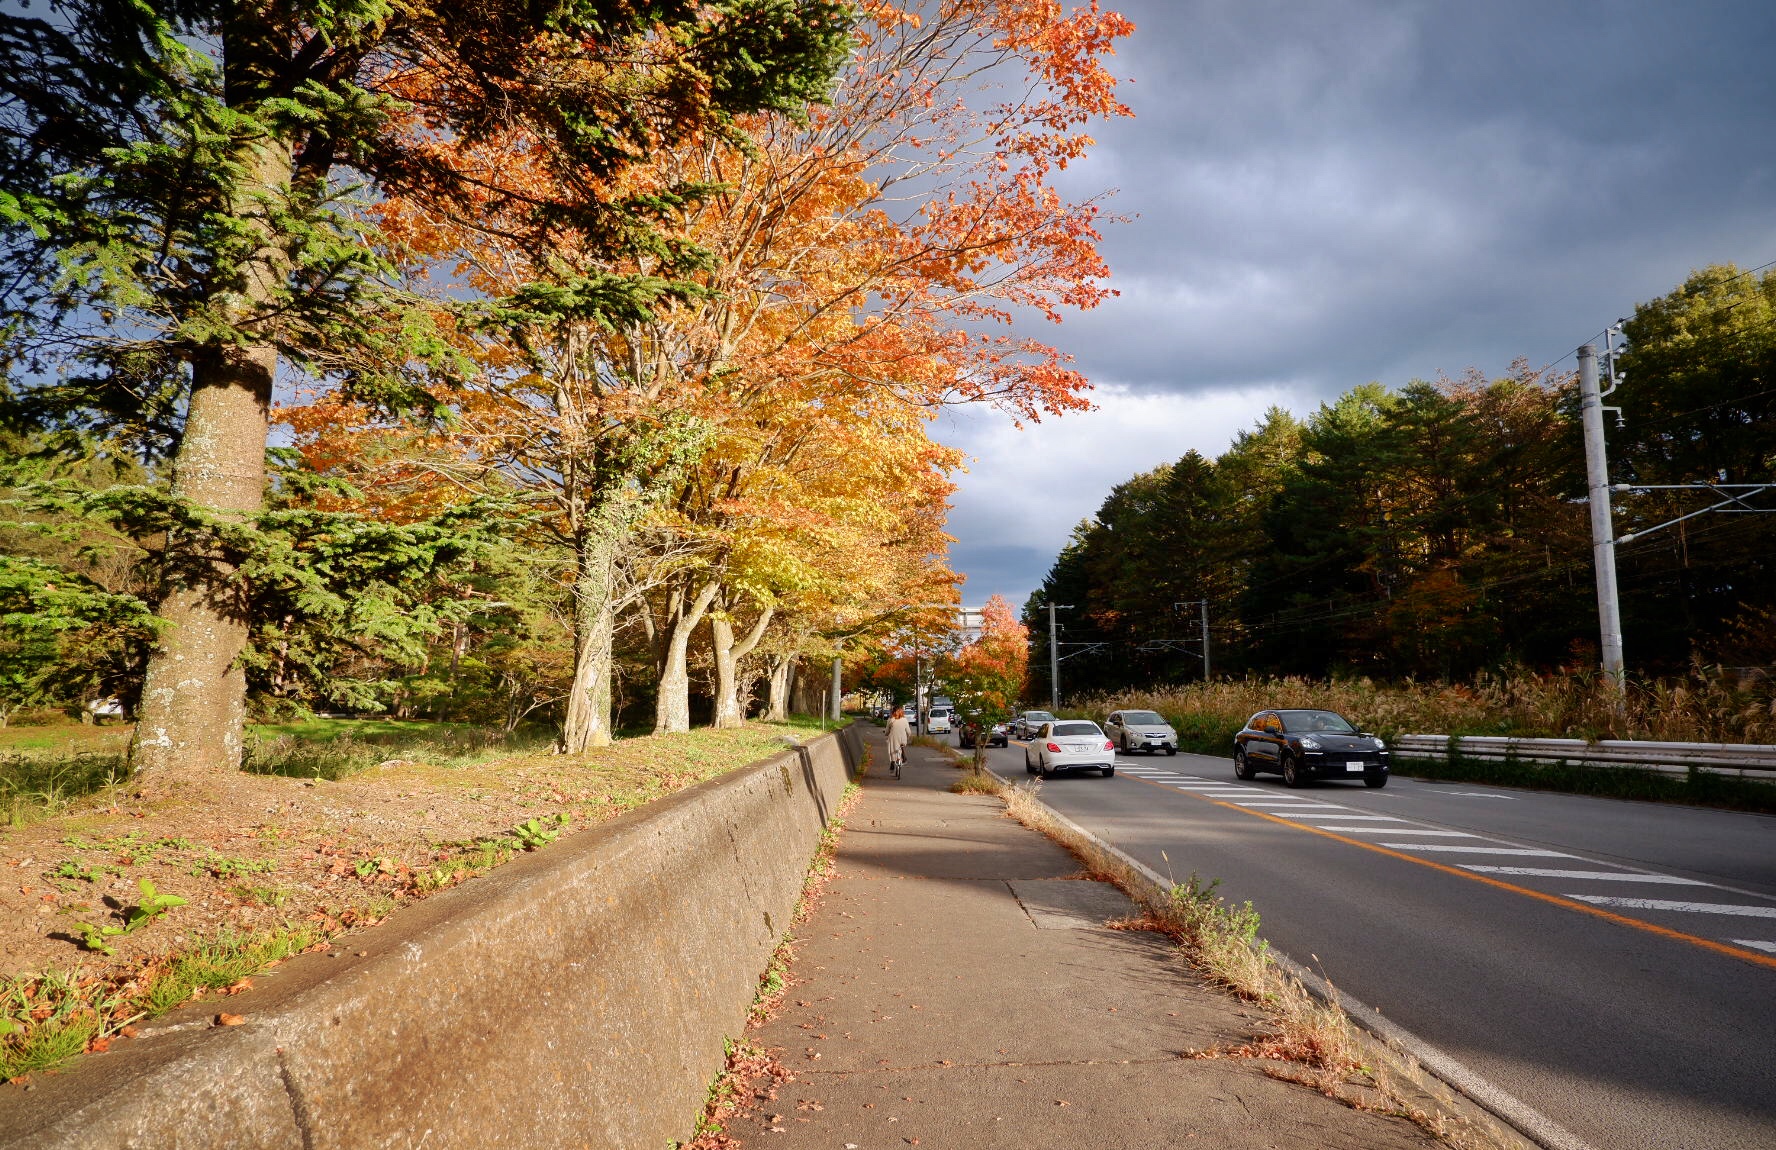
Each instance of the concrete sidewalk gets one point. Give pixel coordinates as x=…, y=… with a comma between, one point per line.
x=957, y=988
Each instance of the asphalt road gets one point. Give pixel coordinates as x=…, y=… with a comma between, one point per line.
x=1610, y=964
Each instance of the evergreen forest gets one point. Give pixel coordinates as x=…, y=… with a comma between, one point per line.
x=1441, y=528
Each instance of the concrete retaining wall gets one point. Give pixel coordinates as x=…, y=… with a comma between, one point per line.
x=576, y=997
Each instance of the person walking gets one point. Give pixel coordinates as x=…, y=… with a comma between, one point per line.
x=899, y=734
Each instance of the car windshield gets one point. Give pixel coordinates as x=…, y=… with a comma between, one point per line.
x=1142, y=718
x=1307, y=722
x=1076, y=729
x=1038, y=717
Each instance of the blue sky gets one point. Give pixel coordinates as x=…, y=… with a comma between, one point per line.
x=1334, y=192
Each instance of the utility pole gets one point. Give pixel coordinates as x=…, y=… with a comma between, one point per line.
x=1603, y=532
x=837, y=679
x=1205, y=611
x=1054, y=656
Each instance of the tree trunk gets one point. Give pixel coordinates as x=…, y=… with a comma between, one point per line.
x=782, y=675
x=588, y=722
x=672, y=707
x=729, y=712
x=194, y=694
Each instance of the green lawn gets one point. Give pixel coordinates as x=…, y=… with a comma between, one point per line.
x=326, y=730
x=69, y=736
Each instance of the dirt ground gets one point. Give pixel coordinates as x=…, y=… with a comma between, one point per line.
x=256, y=852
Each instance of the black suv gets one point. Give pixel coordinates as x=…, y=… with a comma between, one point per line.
x=1304, y=744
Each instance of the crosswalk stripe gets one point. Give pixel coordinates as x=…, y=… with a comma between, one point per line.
x=1397, y=831
x=1518, y=851
x=1600, y=875
x=1369, y=818
x=1756, y=945
x=1685, y=907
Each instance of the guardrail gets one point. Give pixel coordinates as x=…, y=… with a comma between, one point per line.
x=1745, y=760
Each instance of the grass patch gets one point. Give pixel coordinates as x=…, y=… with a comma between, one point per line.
x=65, y=737
x=36, y=786
x=975, y=783
x=335, y=749
x=49, y=1017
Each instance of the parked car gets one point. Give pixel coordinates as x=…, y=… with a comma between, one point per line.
x=1027, y=722
x=938, y=721
x=1305, y=744
x=1141, y=731
x=1069, y=745
x=995, y=734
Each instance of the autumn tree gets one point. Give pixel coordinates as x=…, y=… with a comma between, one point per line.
x=865, y=258
x=986, y=677
x=177, y=196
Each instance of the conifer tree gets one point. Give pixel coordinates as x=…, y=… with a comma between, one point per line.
x=181, y=195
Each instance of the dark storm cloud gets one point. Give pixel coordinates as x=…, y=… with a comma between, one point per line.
x=1328, y=192
x=1335, y=192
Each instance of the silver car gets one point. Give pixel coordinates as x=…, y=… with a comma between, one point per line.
x=1069, y=745
x=1141, y=731
x=1024, y=726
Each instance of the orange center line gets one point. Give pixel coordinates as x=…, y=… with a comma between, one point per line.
x=1751, y=956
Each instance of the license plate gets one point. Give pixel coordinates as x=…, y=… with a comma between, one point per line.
x=1353, y=766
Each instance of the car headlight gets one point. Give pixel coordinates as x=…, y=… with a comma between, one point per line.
x=1379, y=745
x=1308, y=742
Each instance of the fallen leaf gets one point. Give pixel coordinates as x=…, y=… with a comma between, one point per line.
x=229, y=1020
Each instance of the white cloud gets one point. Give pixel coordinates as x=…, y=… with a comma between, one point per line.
x=1026, y=488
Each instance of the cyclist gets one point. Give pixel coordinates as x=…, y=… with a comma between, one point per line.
x=899, y=733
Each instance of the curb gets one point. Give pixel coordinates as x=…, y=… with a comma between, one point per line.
x=1518, y=1116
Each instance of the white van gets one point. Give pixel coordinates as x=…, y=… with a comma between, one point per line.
x=940, y=721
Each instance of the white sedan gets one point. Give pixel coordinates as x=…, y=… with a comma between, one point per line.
x=1069, y=745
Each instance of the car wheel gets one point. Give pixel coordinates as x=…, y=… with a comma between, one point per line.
x=1126, y=749
x=1293, y=775
x=1171, y=751
x=1375, y=779
x=1242, y=769
x=1109, y=771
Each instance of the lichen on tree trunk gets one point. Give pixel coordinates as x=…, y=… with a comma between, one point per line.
x=588, y=721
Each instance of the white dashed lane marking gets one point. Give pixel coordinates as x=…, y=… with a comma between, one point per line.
x=1769, y=947
x=1600, y=875
x=1683, y=907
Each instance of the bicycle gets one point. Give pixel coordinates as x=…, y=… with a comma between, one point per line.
x=894, y=762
